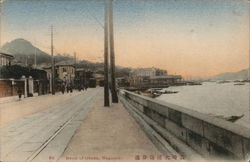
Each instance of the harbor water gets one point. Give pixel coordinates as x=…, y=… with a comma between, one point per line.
x=213, y=99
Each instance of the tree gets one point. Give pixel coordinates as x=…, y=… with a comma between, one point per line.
x=17, y=72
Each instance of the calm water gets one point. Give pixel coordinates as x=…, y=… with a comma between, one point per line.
x=215, y=99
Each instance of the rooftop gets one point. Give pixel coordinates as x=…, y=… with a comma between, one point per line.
x=166, y=77
x=6, y=54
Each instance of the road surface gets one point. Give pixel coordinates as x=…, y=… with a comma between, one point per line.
x=78, y=127
x=11, y=111
x=41, y=132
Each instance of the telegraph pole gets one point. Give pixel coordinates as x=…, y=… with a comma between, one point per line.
x=35, y=58
x=26, y=61
x=106, y=71
x=1, y=21
x=112, y=53
x=52, y=63
x=74, y=57
x=74, y=67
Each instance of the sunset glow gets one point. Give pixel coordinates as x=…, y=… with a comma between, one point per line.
x=193, y=38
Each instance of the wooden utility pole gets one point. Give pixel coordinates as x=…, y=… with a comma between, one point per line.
x=35, y=62
x=26, y=61
x=1, y=21
x=52, y=64
x=106, y=69
x=75, y=58
x=112, y=53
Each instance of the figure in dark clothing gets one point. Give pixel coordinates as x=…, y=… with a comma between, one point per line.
x=71, y=88
x=86, y=86
x=19, y=92
x=67, y=87
x=63, y=88
x=79, y=88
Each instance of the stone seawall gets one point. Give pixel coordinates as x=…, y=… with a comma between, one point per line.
x=207, y=136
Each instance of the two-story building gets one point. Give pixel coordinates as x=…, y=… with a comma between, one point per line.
x=63, y=73
x=5, y=59
x=142, y=76
x=152, y=77
x=165, y=79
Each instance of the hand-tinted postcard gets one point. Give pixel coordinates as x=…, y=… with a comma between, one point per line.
x=124, y=80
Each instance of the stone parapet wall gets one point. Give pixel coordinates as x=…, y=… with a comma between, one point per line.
x=209, y=136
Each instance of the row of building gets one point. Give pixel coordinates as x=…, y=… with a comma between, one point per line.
x=66, y=74
x=149, y=78
x=69, y=74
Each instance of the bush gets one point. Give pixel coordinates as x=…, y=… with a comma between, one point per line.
x=16, y=72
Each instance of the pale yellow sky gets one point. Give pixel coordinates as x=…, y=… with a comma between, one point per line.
x=190, y=38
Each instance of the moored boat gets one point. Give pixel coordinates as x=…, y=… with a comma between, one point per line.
x=223, y=81
x=239, y=84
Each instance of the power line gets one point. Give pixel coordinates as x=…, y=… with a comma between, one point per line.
x=38, y=44
x=94, y=17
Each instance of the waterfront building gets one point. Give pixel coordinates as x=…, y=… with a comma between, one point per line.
x=167, y=79
x=147, y=72
x=152, y=77
x=141, y=76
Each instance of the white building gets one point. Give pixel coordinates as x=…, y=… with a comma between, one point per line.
x=152, y=77
x=147, y=72
x=142, y=75
x=5, y=59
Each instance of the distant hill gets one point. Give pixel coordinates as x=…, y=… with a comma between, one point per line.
x=21, y=46
x=24, y=51
x=241, y=75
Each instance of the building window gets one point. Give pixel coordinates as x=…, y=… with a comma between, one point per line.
x=64, y=69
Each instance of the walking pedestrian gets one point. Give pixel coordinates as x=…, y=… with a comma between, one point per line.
x=79, y=88
x=63, y=88
x=19, y=92
x=71, y=88
x=67, y=88
x=86, y=86
x=83, y=86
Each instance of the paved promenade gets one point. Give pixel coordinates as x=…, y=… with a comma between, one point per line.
x=109, y=133
x=79, y=128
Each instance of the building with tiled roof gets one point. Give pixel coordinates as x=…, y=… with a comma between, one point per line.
x=5, y=58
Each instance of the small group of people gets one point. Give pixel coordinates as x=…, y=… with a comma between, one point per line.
x=82, y=87
x=69, y=87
